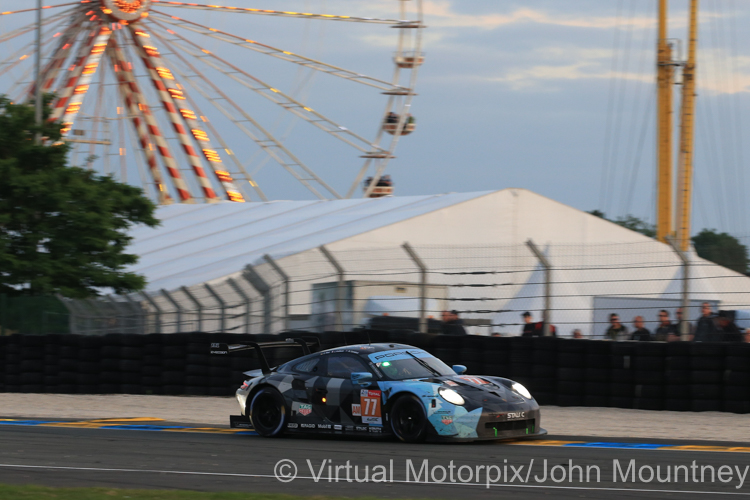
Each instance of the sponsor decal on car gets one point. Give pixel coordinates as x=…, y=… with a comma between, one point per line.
x=451, y=383
x=473, y=380
x=446, y=419
x=372, y=420
x=370, y=407
x=307, y=426
x=303, y=409
x=516, y=415
x=337, y=427
x=349, y=428
x=324, y=426
x=357, y=410
x=376, y=430
x=361, y=428
x=292, y=426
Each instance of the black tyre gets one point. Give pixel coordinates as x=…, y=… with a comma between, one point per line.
x=268, y=412
x=408, y=420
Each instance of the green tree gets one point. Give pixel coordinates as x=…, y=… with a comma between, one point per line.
x=630, y=222
x=721, y=248
x=62, y=229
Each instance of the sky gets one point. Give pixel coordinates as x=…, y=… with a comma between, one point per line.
x=555, y=97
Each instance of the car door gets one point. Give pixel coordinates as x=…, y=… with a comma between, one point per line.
x=343, y=405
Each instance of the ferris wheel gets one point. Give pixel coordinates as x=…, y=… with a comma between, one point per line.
x=188, y=101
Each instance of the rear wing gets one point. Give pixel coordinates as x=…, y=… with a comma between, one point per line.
x=304, y=342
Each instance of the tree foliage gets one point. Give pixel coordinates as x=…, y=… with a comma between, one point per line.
x=630, y=222
x=721, y=248
x=62, y=229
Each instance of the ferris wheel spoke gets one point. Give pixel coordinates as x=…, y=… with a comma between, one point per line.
x=170, y=91
x=45, y=7
x=150, y=131
x=276, y=96
x=32, y=26
x=264, y=139
x=25, y=53
x=188, y=78
x=52, y=69
x=281, y=13
x=279, y=53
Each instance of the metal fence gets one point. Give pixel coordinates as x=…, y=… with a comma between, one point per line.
x=328, y=289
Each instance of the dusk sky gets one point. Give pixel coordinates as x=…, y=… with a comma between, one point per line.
x=556, y=97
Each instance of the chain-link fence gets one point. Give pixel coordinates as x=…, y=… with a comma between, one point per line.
x=328, y=289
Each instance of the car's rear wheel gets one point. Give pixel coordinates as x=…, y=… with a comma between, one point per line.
x=409, y=420
x=268, y=412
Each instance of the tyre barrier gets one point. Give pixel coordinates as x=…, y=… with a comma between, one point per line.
x=677, y=376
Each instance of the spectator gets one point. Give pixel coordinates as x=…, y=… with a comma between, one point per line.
x=528, y=327
x=616, y=330
x=577, y=334
x=641, y=333
x=667, y=332
x=705, y=327
x=747, y=335
x=728, y=329
x=391, y=118
x=452, y=325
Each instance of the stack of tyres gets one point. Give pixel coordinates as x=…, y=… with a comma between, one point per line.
x=173, y=363
x=543, y=384
x=470, y=354
x=521, y=359
x=597, y=378
x=197, y=365
x=706, y=376
x=131, y=364
x=67, y=365
x=52, y=344
x=648, y=374
x=677, y=377
x=571, y=372
x=88, y=364
x=12, y=368
x=737, y=380
x=622, y=379
x=495, y=356
x=151, y=368
x=3, y=344
x=32, y=363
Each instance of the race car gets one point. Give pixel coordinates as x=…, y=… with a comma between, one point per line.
x=379, y=390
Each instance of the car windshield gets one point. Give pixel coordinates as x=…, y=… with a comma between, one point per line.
x=403, y=369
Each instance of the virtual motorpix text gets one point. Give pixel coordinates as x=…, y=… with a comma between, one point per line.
x=626, y=472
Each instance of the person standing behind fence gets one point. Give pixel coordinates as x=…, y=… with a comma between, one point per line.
x=667, y=332
x=616, y=330
x=528, y=325
x=705, y=327
x=640, y=333
x=452, y=325
x=729, y=330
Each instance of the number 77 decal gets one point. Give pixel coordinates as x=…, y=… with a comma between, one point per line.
x=369, y=407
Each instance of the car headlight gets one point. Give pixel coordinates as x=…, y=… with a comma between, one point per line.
x=451, y=396
x=521, y=390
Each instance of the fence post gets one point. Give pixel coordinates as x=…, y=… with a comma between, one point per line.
x=102, y=317
x=222, y=307
x=198, y=306
x=285, y=278
x=422, y=286
x=118, y=308
x=177, y=308
x=685, y=325
x=245, y=298
x=257, y=282
x=547, y=286
x=141, y=317
x=339, y=287
x=153, y=303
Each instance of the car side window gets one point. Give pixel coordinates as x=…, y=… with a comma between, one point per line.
x=309, y=366
x=342, y=366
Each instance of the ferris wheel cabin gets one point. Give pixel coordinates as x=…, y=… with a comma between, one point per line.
x=409, y=60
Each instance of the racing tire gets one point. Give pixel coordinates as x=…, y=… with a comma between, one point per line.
x=268, y=412
x=409, y=420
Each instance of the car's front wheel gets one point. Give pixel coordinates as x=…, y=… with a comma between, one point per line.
x=268, y=412
x=409, y=420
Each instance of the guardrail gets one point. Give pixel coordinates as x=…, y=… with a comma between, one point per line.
x=678, y=376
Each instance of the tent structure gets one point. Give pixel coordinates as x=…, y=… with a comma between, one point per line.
x=254, y=267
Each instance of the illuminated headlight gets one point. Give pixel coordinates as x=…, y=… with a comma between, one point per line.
x=521, y=390
x=451, y=396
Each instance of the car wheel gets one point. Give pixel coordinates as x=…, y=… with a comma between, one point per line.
x=408, y=419
x=268, y=412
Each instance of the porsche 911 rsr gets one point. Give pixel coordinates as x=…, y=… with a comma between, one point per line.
x=380, y=390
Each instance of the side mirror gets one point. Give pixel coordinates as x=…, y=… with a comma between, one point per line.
x=459, y=369
x=362, y=379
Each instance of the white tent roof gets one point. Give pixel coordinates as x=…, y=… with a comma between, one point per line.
x=199, y=243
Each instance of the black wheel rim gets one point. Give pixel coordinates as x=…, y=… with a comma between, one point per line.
x=409, y=420
x=267, y=413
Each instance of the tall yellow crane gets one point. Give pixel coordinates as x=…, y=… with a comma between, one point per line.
x=685, y=172
x=665, y=222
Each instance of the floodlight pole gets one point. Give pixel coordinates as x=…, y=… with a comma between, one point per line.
x=339, y=286
x=685, y=324
x=38, y=74
x=422, y=286
x=285, y=279
x=547, y=286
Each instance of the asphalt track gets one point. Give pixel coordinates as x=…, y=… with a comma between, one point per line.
x=154, y=454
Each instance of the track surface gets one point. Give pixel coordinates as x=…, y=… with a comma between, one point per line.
x=64, y=456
